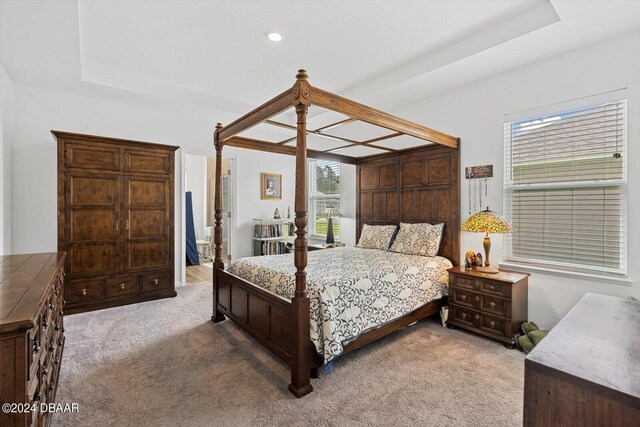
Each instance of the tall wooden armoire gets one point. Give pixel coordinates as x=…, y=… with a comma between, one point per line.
x=115, y=220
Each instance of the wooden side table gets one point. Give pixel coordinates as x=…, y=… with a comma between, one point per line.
x=493, y=305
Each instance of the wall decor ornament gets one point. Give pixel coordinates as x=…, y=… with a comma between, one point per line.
x=270, y=186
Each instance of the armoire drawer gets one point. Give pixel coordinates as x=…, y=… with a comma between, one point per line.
x=156, y=281
x=83, y=291
x=121, y=286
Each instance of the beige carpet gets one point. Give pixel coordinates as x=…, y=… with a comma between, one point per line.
x=163, y=363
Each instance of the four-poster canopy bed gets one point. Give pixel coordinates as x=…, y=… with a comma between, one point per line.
x=419, y=184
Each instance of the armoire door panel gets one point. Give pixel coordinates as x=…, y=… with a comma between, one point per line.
x=147, y=207
x=94, y=156
x=145, y=223
x=146, y=162
x=141, y=191
x=93, y=224
x=92, y=227
x=97, y=258
x=143, y=255
x=93, y=190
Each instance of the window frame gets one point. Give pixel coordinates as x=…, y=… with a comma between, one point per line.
x=312, y=197
x=509, y=188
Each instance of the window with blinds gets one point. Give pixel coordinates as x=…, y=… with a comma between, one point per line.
x=565, y=188
x=324, y=192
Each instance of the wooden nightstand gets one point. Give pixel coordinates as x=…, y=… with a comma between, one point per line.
x=493, y=305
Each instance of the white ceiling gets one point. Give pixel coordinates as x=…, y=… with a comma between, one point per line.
x=214, y=55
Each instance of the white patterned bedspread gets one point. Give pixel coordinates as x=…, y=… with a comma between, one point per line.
x=351, y=290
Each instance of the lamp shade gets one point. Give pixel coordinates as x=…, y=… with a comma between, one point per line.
x=330, y=212
x=487, y=222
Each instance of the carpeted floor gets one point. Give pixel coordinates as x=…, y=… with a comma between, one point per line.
x=164, y=363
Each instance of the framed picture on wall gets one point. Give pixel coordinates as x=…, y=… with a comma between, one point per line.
x=270, y=186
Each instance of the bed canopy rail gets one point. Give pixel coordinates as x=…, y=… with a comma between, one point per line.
x=284, y=326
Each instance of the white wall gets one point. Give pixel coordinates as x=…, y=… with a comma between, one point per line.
x=195, y=172
x=6, y=129
x=476, y=112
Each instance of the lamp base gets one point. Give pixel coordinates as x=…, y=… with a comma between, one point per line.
x=488, y=269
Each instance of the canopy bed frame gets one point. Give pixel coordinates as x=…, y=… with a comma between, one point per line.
x=411, y=185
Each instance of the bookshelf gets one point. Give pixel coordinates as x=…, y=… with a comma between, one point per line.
x=272, y=236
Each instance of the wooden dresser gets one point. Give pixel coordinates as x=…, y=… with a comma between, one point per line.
x=493, y=305
x=115, y=220
x=31, y=333
x=586, y=372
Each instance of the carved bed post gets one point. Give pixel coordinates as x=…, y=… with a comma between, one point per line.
x=300, y=370
x=217, y=316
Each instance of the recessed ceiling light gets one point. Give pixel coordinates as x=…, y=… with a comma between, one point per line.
x=274, y=36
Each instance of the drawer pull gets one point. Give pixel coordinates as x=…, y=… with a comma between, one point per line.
x=122, y=286
x=45, y=323
x=492, y=324
x=477, y=284
x=84, y=292
x=463, y=298
x=156, y=282
x=492, y=287
x=36, y=346
x=477, y=316
x=477, y=299
x=463, y=316
x=492, y=304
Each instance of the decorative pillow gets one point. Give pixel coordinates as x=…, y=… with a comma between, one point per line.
x=376, y=236
x=418, y=239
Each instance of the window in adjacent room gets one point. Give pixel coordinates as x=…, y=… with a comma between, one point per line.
x=324, y=192
x=566, y=186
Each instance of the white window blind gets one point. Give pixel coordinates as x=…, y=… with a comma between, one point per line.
x=324, y=192
x=565, y=188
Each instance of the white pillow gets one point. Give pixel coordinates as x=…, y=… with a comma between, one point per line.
x=418, y=239
x=376, y=236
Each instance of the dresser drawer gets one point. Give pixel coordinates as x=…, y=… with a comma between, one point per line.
x=121, y=286
x=156, y=281
x=83, y=291
x=466, y=298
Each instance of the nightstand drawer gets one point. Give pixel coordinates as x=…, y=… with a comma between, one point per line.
x=461, y=315
x=494, y=305
x=466, y=298
x=465, y=283
x=493, y=288
x=494, y=325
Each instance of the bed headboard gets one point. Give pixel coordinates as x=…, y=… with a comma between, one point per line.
x=421, y=185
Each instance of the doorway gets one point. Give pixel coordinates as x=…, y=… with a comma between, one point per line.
x=199, y=173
